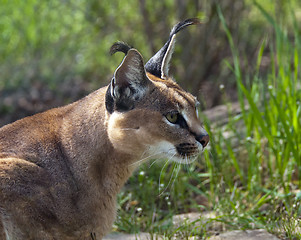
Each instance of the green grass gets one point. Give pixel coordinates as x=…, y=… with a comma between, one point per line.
x=251, y=179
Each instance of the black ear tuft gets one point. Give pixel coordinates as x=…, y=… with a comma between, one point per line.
x=120, y=47
x=158, y=64
x=178, y=27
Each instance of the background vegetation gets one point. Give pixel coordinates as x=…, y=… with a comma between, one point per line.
x=54, y=52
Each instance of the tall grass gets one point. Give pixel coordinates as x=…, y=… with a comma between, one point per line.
x=251, y=176
x=263, y=171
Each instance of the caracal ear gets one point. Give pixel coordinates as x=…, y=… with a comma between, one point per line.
x=158, y=65
x=130, y=82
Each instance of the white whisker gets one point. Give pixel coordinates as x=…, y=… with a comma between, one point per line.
x=162, y=171
x=161, y=174
x=178, y=170
x=153, y=162
x=168, y=151
x=144, y=159
x=142, y=155
x=155, y=155
x=171, y=178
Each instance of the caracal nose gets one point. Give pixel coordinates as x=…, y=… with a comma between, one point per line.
x=203, y=139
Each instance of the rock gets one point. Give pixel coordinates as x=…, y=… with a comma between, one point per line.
x=198, y=219
x=138, y=236
x=178, y=220
x=258, y=234
x=220, y=114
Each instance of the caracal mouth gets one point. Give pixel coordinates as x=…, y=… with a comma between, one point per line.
x=184, y=153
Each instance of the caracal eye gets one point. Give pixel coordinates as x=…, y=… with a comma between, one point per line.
x=172, y=117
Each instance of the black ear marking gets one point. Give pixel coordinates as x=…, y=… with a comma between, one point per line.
x=158, y=64
x=109, y=100
x=129, y=83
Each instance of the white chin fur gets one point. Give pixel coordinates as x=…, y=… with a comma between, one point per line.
x=185, y=160
x=167, y=150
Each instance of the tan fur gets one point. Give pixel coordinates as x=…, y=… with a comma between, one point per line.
x=60, y=170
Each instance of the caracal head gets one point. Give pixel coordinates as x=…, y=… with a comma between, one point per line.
x=148, y=114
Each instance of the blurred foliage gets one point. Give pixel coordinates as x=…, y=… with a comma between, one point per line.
x=54, y=52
